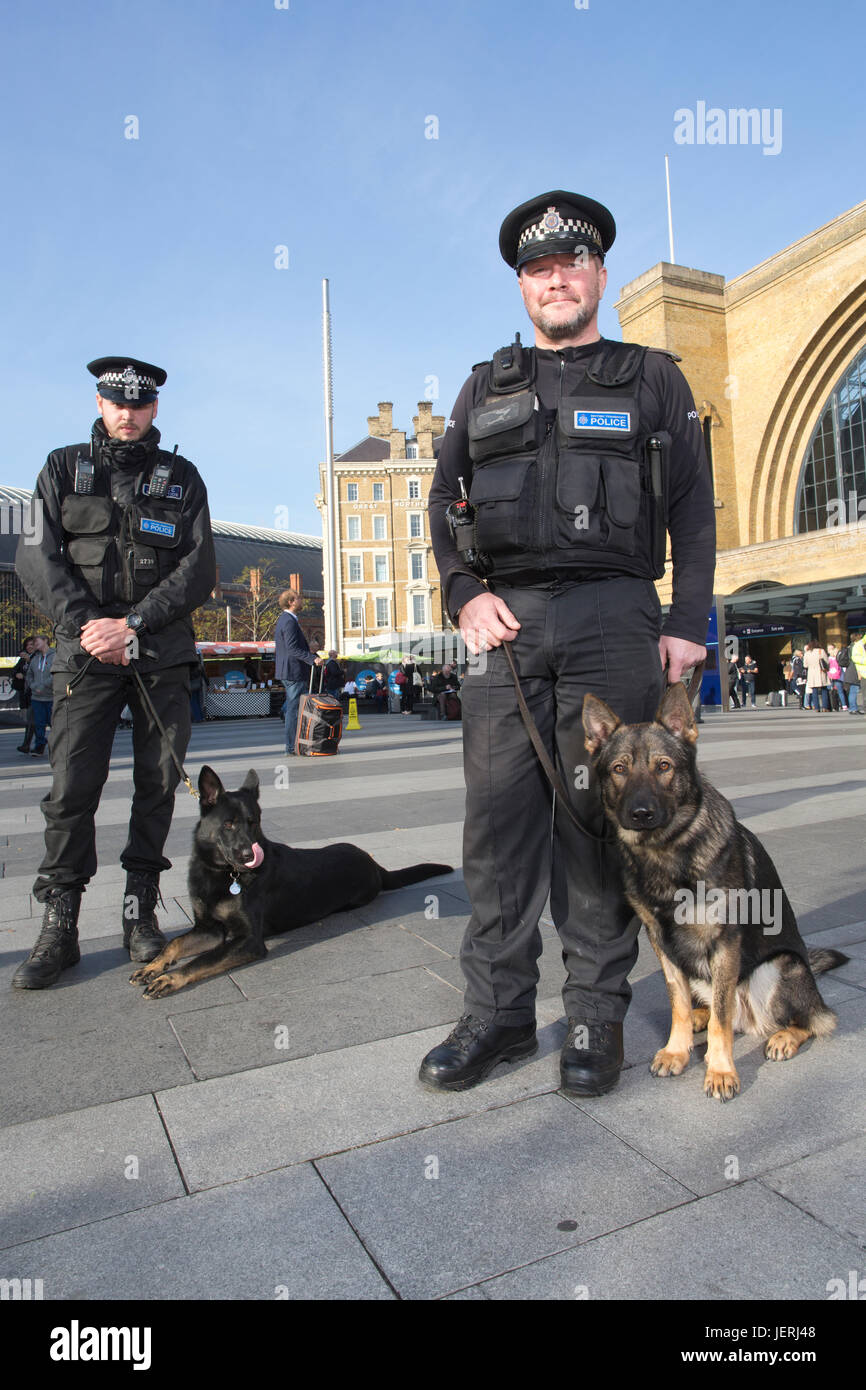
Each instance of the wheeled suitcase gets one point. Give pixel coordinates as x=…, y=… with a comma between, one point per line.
x=320, y=722
x=452, y=706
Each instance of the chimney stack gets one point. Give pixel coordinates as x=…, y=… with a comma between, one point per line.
x=381, y=425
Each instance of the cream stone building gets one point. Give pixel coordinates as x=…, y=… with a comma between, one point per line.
x=776, y=360
x=387, y=583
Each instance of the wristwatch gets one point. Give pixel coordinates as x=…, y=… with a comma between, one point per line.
x=135, y=622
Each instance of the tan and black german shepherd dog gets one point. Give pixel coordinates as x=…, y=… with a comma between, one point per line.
x=708, y=894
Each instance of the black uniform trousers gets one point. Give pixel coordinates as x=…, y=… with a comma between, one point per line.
x=599, y=637
x=83, y=725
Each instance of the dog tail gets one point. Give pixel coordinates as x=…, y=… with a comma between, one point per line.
x=399, y=878
x=824, y=959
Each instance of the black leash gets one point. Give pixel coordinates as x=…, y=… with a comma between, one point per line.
x=544, y=758
x=149, y=704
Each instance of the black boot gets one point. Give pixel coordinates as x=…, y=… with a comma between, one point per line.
x=591, y=1058
x=57, y=947
x=472, y=1050
x=141, y=934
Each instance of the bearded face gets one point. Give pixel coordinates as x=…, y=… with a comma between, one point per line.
x=561, y=295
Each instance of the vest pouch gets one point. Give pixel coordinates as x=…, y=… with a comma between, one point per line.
x=155, y=531
x=155, y=527
x=622, y=490
x=87, y=554
x=598, y=483
x=502, y=426
x=86, y=516
x=503, y=495
x=85, y=521
x=578, y=519
x=598, y=502
x=145, y=568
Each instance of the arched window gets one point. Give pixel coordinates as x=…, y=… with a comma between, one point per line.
x=833, y=482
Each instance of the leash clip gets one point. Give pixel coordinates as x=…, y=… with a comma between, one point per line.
x=191, y=789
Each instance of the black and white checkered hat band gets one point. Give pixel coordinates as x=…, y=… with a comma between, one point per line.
x=118, y=381
x=553, y=227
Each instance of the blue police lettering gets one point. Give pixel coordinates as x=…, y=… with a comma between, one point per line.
x=598, y=420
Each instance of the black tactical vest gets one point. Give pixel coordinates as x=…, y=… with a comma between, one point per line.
x=568, y=487
x=121, y=551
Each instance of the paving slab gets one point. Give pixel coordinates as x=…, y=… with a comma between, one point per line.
x=830, y=1186
x=785, y=1110
x=312, y=1019
x=830, y=915
x=236, y=1126
x=103, y=1064
x=337, y=948
x=69, y=1170
x=841, y=937
x=280, y=1236
x=92, y=994
x=14, y=907
x=746, y=1243
x=449, y=1206
x=92, y=1037
x=853, y=972
x=432, y=900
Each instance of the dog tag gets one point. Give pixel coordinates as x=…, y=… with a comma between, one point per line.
x=234, y=887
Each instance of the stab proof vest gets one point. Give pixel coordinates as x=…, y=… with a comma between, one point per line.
x=571, y=487
x=121, y=551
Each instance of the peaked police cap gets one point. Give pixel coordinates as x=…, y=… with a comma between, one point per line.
x=555, y=223
x=124, y=379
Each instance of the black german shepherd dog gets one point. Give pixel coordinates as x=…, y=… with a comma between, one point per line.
x=708, y=894
x=245, y=887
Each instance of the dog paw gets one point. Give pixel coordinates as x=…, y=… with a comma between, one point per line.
x=668, y=1063
x=782, y=1046
x=700, y=1019
x=142, y=975
x=162, y=985
x=721, y=1085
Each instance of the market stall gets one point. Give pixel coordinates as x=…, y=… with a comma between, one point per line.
x=240, y=678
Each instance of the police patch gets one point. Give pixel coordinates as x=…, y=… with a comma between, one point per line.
x=157, y=528
x=602, y=420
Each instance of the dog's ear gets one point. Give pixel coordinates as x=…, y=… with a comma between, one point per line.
x=599, y=722
x=676, y=715
x=209, y=787
x=251, y=782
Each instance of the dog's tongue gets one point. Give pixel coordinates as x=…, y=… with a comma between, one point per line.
x=258, y=856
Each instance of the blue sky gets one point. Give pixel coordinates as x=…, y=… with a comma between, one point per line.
x=306, y=127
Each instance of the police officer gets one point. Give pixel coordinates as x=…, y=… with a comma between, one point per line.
x=126, y=554
x=575, y=454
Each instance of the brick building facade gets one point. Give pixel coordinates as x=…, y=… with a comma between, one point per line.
x=387, y=580
x=776, y=360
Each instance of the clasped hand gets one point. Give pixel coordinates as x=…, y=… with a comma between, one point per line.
x=108, y=639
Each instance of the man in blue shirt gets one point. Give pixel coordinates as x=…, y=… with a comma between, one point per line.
x=292, y=657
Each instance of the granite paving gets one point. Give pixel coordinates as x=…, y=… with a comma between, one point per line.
x=263, y=1135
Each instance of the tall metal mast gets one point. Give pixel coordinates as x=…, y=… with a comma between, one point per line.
x=332, y=636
